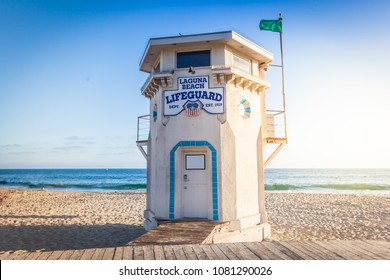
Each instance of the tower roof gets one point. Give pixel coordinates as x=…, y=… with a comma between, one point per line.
x=229, y=38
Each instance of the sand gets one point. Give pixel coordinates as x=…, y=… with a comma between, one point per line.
x=45, y=220
x=304, y=216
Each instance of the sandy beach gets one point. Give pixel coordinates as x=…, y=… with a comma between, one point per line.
x=305, y=216
x=45, y=220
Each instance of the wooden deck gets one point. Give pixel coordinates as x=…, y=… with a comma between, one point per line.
x=182, y=240
x=177, y=232
x=266, y=250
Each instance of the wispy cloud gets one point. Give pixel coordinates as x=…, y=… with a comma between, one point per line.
x=71, y=138
x=115, y=154
x=117, y=150
x=79, y=140
x=19, y=153
x=67, y=148
x=8, y=147
x=13, y=150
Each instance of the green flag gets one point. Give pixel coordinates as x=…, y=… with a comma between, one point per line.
x=271, y=25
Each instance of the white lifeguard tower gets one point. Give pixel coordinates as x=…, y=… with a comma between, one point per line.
x=206, y=131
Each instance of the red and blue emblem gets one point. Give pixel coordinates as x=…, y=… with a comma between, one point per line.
x=192, y=108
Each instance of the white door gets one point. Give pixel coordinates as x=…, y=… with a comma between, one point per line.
x=195, y=186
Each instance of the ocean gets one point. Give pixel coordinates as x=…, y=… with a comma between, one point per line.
x=353, y=181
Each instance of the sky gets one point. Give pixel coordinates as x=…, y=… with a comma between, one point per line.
x=70, y=79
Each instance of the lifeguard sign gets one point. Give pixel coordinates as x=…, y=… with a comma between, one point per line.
x=208, y=126
x=195, y=92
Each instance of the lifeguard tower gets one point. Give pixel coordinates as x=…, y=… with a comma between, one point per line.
x=206, y=130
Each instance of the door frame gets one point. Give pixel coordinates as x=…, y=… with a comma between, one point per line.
x=175, y=172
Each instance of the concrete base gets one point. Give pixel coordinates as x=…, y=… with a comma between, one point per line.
x=150, y=221
x=251, y=234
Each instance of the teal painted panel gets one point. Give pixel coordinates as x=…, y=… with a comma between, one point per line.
x=214, y=176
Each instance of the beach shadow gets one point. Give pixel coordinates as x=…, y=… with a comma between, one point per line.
x=71, y=237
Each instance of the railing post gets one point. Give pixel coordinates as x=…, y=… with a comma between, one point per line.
x=138, y=128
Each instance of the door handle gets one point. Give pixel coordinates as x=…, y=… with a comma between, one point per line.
x=185, y=187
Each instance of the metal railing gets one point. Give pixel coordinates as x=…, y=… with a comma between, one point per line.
x=276, y=126
x=143, y=128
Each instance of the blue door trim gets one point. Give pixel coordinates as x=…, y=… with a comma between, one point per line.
x=214, y=177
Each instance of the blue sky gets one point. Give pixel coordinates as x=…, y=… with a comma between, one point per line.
x=70, y=79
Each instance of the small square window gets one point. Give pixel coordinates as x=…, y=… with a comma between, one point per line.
x=195, y=162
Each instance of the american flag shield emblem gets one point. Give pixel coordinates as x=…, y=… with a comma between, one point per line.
x=192, y=109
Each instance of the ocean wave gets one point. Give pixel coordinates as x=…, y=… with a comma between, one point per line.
x=282, y=187
x=141, y=186
x=29, y=185
x=355, y=187
x=341, y=187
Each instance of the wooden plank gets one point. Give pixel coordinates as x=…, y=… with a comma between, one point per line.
x=10, y=256
x=373, y=245
x=33, y=255
x=227, y=252
x=371, y=250
x=327, y=250
x=179, y=252
x=343, y=249
x=138, y=253
x=76, y=254
x=128, y=253
x=274, y=249
x=88, y=253
x=180, y=232
x=66, y=255
x=44, y=255
x=363, y=253
x=56, y=255
x=385, y=244
x=158, y=252
x=379, y=244
x=286, y=251
x=377, y=248
x=168, y=252
x=313, y=249
x=260, y=253
x=148, y=252
x=5, y=255
x=190, y=254
x=299, y=251
x=98, y=254
x=211, y=255
x=200, y=254
x=18, y=256
x=109, y=253
x=242, y=252
x=267, y=253
x=218, y=252
x=118, y=253
x=308, y=250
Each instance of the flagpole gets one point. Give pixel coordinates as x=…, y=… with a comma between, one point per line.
x=283, y=92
